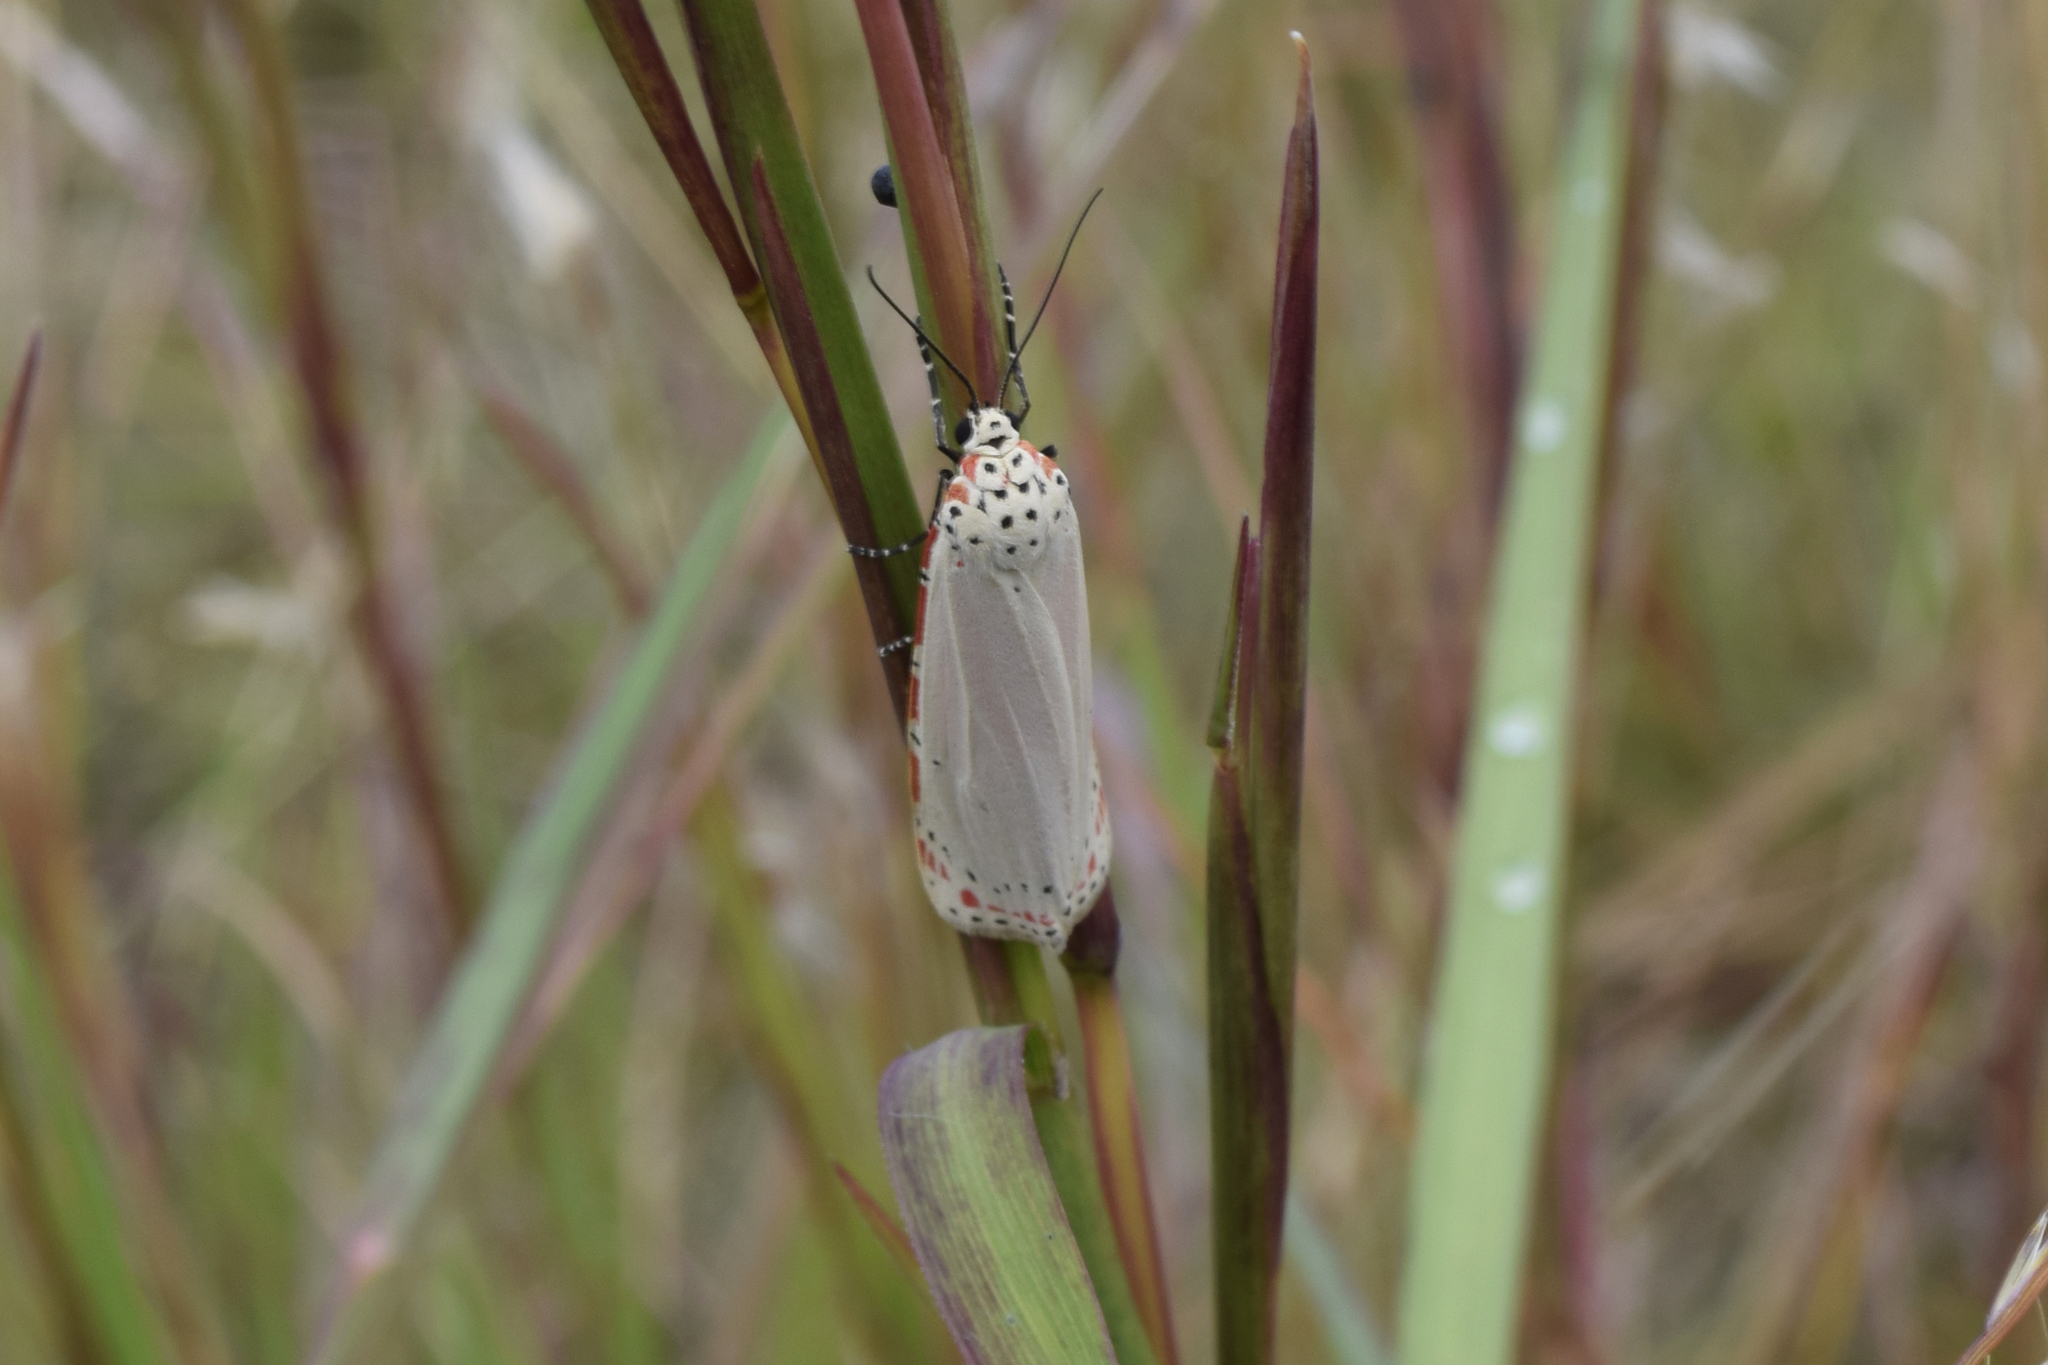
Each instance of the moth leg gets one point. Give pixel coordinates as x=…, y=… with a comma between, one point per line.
x=931, y=375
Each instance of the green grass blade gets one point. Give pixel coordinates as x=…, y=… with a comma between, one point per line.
x=476, y=1014
x=979, y=1203
x=1485, y=1087
x=77, y=1207
x=753, y=124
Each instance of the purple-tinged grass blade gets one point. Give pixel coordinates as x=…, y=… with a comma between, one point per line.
x=945, y=91
x=751, y=119
x=1454, y=96
x=1278, y=682
x=14, y=435
x=1255, y=801
x=1248, y=1093
x=979, y=1202
x=925, y=186
x=321, y=365
x=638, y=55
x=555, y=471
x=835, y=443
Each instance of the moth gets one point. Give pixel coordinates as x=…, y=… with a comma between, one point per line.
x=1012, y=830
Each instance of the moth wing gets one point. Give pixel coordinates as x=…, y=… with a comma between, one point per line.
x=1009, y=798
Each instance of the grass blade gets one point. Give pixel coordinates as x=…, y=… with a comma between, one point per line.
x=14, y=435
x=887, y=1230
x=945, y=93
x=1347, y=1325
x=638, y=55
x=1090, y=960
x=320, y=364
x=837, y=458
x=555, y=471
x=752, y=121
x=1247, y=1048
x=1255, y=802
x=477, y=1011
x=72, y=1193
x=935, y=229
x=1486, y=1082
x=979, y=1202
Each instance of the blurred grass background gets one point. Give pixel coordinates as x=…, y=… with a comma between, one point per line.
x=1799, y=1086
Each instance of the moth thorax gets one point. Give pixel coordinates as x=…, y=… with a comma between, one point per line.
x=1004, y=507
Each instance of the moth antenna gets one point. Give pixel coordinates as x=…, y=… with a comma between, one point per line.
x=1032, y=330
x=925, y=336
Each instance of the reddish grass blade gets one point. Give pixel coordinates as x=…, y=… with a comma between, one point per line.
x=637, y=54
x=319, y=362
x=553, y=469
x=1455, y=98
x=945, y=91
x=1113, y=1114
x=1255, y=801
x=753, y=125
x=13, y=436
x=1248, y=1119
x=1278, y=681
x=887, y=1230
x=639, y=58
x=925, y=188
x=835, y=443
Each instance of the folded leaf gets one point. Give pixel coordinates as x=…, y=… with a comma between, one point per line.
x=979, y=1203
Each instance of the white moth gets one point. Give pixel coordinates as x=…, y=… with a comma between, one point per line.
x=1012, y=829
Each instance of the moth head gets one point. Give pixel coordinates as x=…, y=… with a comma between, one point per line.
x=989, y=427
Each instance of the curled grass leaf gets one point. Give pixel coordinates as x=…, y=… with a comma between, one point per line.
x=979, y=1202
